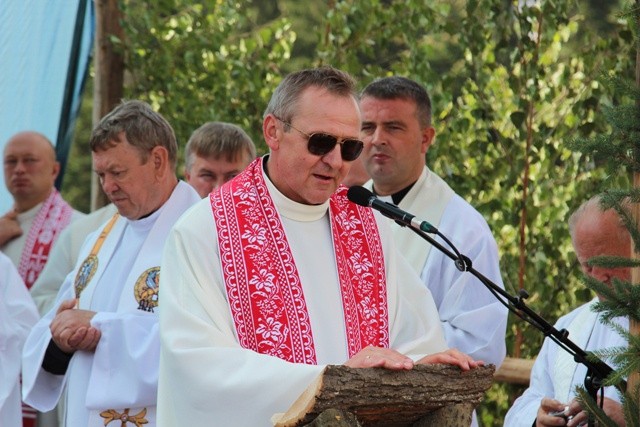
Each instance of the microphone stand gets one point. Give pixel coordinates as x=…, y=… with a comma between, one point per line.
x=597, y=370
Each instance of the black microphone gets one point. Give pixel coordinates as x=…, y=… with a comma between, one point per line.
x=363, y=197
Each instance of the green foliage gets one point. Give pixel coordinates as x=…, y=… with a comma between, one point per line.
x=202, y=61
x=631, y=409
x=620, y=152
x=613, y=199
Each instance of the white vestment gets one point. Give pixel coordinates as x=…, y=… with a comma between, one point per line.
x=544, y=375
x=122, y=372
x=64, y=255
x=207, y=378
x=473, y=320
x=18, y=314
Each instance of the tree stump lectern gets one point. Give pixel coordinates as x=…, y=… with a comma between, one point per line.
x=428, y=395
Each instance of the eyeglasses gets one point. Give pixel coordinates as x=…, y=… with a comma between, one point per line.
x=321, y=143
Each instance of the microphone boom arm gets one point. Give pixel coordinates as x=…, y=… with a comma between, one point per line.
x=597, y=369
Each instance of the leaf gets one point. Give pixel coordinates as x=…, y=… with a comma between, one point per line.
x=518, y=118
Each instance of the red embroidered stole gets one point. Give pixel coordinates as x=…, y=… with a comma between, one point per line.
x=29, y=416
x=262, y=281
x=54, y=215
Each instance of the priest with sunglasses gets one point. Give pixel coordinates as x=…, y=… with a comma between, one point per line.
x=276, y=274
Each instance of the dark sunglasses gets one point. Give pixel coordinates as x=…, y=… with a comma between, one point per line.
x=321, y=143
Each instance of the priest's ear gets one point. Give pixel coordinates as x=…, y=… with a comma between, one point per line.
x=271, y=132
x=159, y=156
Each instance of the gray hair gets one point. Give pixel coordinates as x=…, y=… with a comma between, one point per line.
x=283, y=103
x=593, y=206
x=220, y=140
x=143, y=128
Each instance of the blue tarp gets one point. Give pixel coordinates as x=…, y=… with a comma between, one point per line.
x=45, y=48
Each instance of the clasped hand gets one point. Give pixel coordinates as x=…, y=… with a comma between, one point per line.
x=71, y=328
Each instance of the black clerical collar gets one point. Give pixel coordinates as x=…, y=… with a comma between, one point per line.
x=399, y=195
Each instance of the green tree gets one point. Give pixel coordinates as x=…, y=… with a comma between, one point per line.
x=619, y=151
x=196, y=62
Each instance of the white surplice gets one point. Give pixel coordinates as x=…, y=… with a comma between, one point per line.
x=18, y=314
x=550, y=368
x=474, y=321
x=206, y=378
x=122, y=372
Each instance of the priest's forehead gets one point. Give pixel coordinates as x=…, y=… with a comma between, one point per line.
x=30, y=142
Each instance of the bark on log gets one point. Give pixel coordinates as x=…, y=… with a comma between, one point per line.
x=382, y=397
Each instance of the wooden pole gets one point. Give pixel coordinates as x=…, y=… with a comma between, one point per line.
x=109, y=75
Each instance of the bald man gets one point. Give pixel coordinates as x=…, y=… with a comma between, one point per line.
x=555, y=375
x=39, y=213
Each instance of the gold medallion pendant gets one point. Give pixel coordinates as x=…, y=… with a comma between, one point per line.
x=146, y=289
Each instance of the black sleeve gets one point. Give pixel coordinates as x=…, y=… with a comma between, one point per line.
x=55, y=360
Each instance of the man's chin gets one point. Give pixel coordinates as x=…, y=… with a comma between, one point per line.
x=319, y=197
x=20, y=191
x=123, y=208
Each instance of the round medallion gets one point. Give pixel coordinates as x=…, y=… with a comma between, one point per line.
x=146, y=289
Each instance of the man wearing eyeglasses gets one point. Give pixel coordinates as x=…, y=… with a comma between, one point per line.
x=397, y=130
x=277, y=274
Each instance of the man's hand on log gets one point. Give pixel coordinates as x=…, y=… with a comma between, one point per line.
x=452, y=357
x=377, y=357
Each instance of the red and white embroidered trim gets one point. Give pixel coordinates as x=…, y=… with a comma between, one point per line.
x=29, y=416
x=361, y=271
x=262, y=281
x=54, y=215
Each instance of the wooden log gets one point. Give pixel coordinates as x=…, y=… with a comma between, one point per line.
x=382, y=397
x=451, y=416
x=335, y=418
x=514, y=371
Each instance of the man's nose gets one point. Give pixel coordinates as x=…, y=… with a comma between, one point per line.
x=378, y=137
x=334, y=157
x=109, y=185
x=20, y=167
x=601, y=274
x=216, y=184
